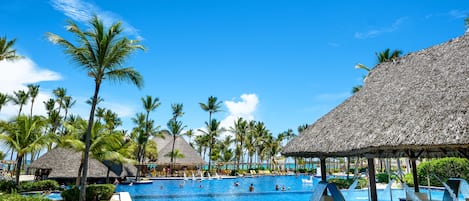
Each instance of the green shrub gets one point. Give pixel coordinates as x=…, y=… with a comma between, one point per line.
x=409, y=179
x=382, y=178
x=71, y=194
x=17, y=197
x=444, y=169
x=7, y=186
x=39, y=185
x=101, y=191
x=346, y=183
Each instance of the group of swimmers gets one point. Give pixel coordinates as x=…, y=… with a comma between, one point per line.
x=251, y=187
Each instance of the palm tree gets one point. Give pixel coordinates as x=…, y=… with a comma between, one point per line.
x=211, y=107
x=60, y=94
x=23, y=135
x=100, y=113
x=239, y=130
x=384, y=56
x=149, y=104
x=3, y=100
x=212, y=130
x=175, y=127
x=111, y=121
x=104, y=146
x=20, y=98
x=33, y=91
x=6, y=53
x=101, y=52
x=190, y=133
x=68, y=103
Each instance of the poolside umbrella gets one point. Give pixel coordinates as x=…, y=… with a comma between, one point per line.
x=414, y=106
x=64, y=163
x=191, y=157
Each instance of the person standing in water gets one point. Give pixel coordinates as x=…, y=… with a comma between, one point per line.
x=251, y=188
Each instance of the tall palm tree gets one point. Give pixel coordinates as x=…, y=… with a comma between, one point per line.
x=3, y=100
x=60, y=94
x=211, y=107
x=212, y=130
x=239, y=130
x=175, y=128
x=150, y=104
x=6, y=51
x=101, y=52
x=23, y=135
x=33, y=91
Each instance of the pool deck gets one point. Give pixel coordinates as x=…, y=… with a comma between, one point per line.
x=121, y=196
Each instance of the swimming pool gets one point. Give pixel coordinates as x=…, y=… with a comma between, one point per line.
x=224, y=189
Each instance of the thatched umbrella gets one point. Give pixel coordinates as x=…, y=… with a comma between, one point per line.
x=414, y=106
x=64, y=163
x=191, y=157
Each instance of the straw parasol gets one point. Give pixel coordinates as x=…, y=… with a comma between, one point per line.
x=414, y=106
x=64, y=163
x=191, y=157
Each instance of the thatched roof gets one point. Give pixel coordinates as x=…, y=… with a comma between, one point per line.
x=64, y=163
x=417, y=103
x=191, y=157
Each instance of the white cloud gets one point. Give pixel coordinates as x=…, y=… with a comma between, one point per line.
x=16, y=75
x=457, y=14
x=244, y=108
x=375, y=32
x=82, y=11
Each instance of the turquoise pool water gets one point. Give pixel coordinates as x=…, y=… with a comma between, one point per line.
x=226, y=190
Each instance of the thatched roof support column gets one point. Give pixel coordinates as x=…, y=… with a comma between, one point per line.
x=413, y=158
x=372, y=178
x=414, y=174
x=323, y=168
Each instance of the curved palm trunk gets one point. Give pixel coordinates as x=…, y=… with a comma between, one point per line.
x=88, y=144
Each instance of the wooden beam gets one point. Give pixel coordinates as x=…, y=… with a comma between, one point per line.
x=372, y=178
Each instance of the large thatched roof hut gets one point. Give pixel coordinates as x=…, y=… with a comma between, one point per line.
x=418, y=102
x=61, y=163
x=191, y=157
x=414, y=106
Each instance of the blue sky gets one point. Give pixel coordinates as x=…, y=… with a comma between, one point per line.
x=285, y=63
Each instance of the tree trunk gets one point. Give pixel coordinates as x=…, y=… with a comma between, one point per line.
x=19, y=160
x=88, y=143
x=80, y=170
x=107, y=175
x=348, y=165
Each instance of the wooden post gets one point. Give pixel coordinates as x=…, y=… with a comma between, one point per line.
x=323, y=168
x=414, y=174
x=372, y=178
